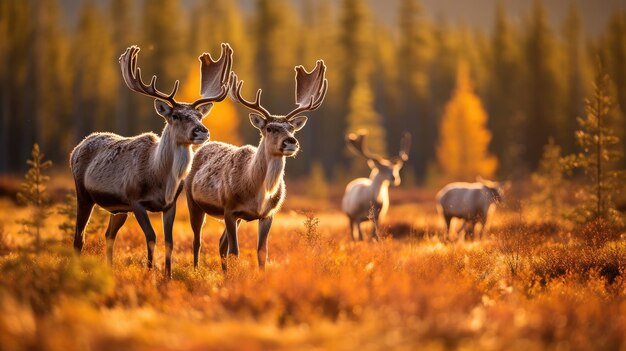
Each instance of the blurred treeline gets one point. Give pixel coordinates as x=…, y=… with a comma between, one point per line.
x=60, y=82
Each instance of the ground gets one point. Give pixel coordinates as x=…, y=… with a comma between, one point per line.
x=531, y=283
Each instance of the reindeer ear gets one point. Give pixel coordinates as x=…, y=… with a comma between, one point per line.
x=163, y=109
x=298, y=122
x=257, y=121
x=204, y=109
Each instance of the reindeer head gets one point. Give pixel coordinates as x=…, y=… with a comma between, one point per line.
x=185, y=120
x=277, y=131
x=388, y=169
x=496, y=190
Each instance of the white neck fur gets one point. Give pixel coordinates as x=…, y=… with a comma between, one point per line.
x=171, y=162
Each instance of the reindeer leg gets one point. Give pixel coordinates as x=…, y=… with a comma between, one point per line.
x=469, y=229
x=231, y=236
x=116, y=221
x=264, y=229
x=84, y=206
x=358, y=227
x=483, y=222
x=352, y=228
x=375, y=216
x=446, y=236
x=196, y=218
x=168, y=224
x=144, y=222
x=224, y=246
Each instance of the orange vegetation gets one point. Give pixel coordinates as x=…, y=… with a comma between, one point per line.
x=530, y=284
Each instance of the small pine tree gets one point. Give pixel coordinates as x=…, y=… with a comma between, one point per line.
x=33, y=192
x=548, y=180
x=599, y=157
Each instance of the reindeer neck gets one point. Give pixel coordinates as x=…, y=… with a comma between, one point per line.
x=378, y=182
x=170, y=161
x=267, y=169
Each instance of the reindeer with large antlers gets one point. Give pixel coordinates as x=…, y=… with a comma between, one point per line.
x=246, y=183
x=145, y=172
x=368, y=199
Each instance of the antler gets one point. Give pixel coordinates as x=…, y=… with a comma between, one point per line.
x=311, y=88
x=235, y=94
x=132, y=77
x=215, y=76
x=405, y=147
x=356, y=141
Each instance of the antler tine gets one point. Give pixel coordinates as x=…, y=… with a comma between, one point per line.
x=311, y=88
x=405, y=147
x=235, y=95
x=356, y=141
x=132, y=77
x=215, y=75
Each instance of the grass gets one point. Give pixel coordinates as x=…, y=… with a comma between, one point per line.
x=530, y=284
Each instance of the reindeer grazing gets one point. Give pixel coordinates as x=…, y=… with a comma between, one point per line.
x=471, y=202
x=365, y=198
x=246, y=183
x=145, y=172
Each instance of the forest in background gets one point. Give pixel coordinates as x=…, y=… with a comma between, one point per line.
x=57, y=85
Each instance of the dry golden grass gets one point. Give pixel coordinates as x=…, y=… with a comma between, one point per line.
x=530, y=284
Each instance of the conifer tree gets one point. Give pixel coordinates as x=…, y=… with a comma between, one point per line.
x=413, y=95
x=94, y=103
x=599, y=156
x=613, y=53
x=548, y=181
x=33, y=193
x=464, y=138
x=502, y=98
x=541, y=85
x=574, y=61
x=123, y=34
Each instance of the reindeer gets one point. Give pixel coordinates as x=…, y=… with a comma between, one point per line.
x=471, y=202
x=246, y=183
x=364, y=198
x=145, y=172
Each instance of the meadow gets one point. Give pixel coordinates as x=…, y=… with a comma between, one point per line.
x=532, y=282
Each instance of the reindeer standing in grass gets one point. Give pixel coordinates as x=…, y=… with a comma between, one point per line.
x=368, y=199
x=246, y=183
x=472, y=202
x=145, y=172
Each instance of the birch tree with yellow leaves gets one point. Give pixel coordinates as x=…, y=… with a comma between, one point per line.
x=462, y=152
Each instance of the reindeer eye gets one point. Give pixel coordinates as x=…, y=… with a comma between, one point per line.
x=175, y=116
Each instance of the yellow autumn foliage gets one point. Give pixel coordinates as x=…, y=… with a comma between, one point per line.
x=223, y=121
x=463, y=135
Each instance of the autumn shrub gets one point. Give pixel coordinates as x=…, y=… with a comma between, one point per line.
x=558, y=260
x=41, y=281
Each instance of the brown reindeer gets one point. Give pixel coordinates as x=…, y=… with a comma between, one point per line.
x=145, y=172
x=246, y=183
